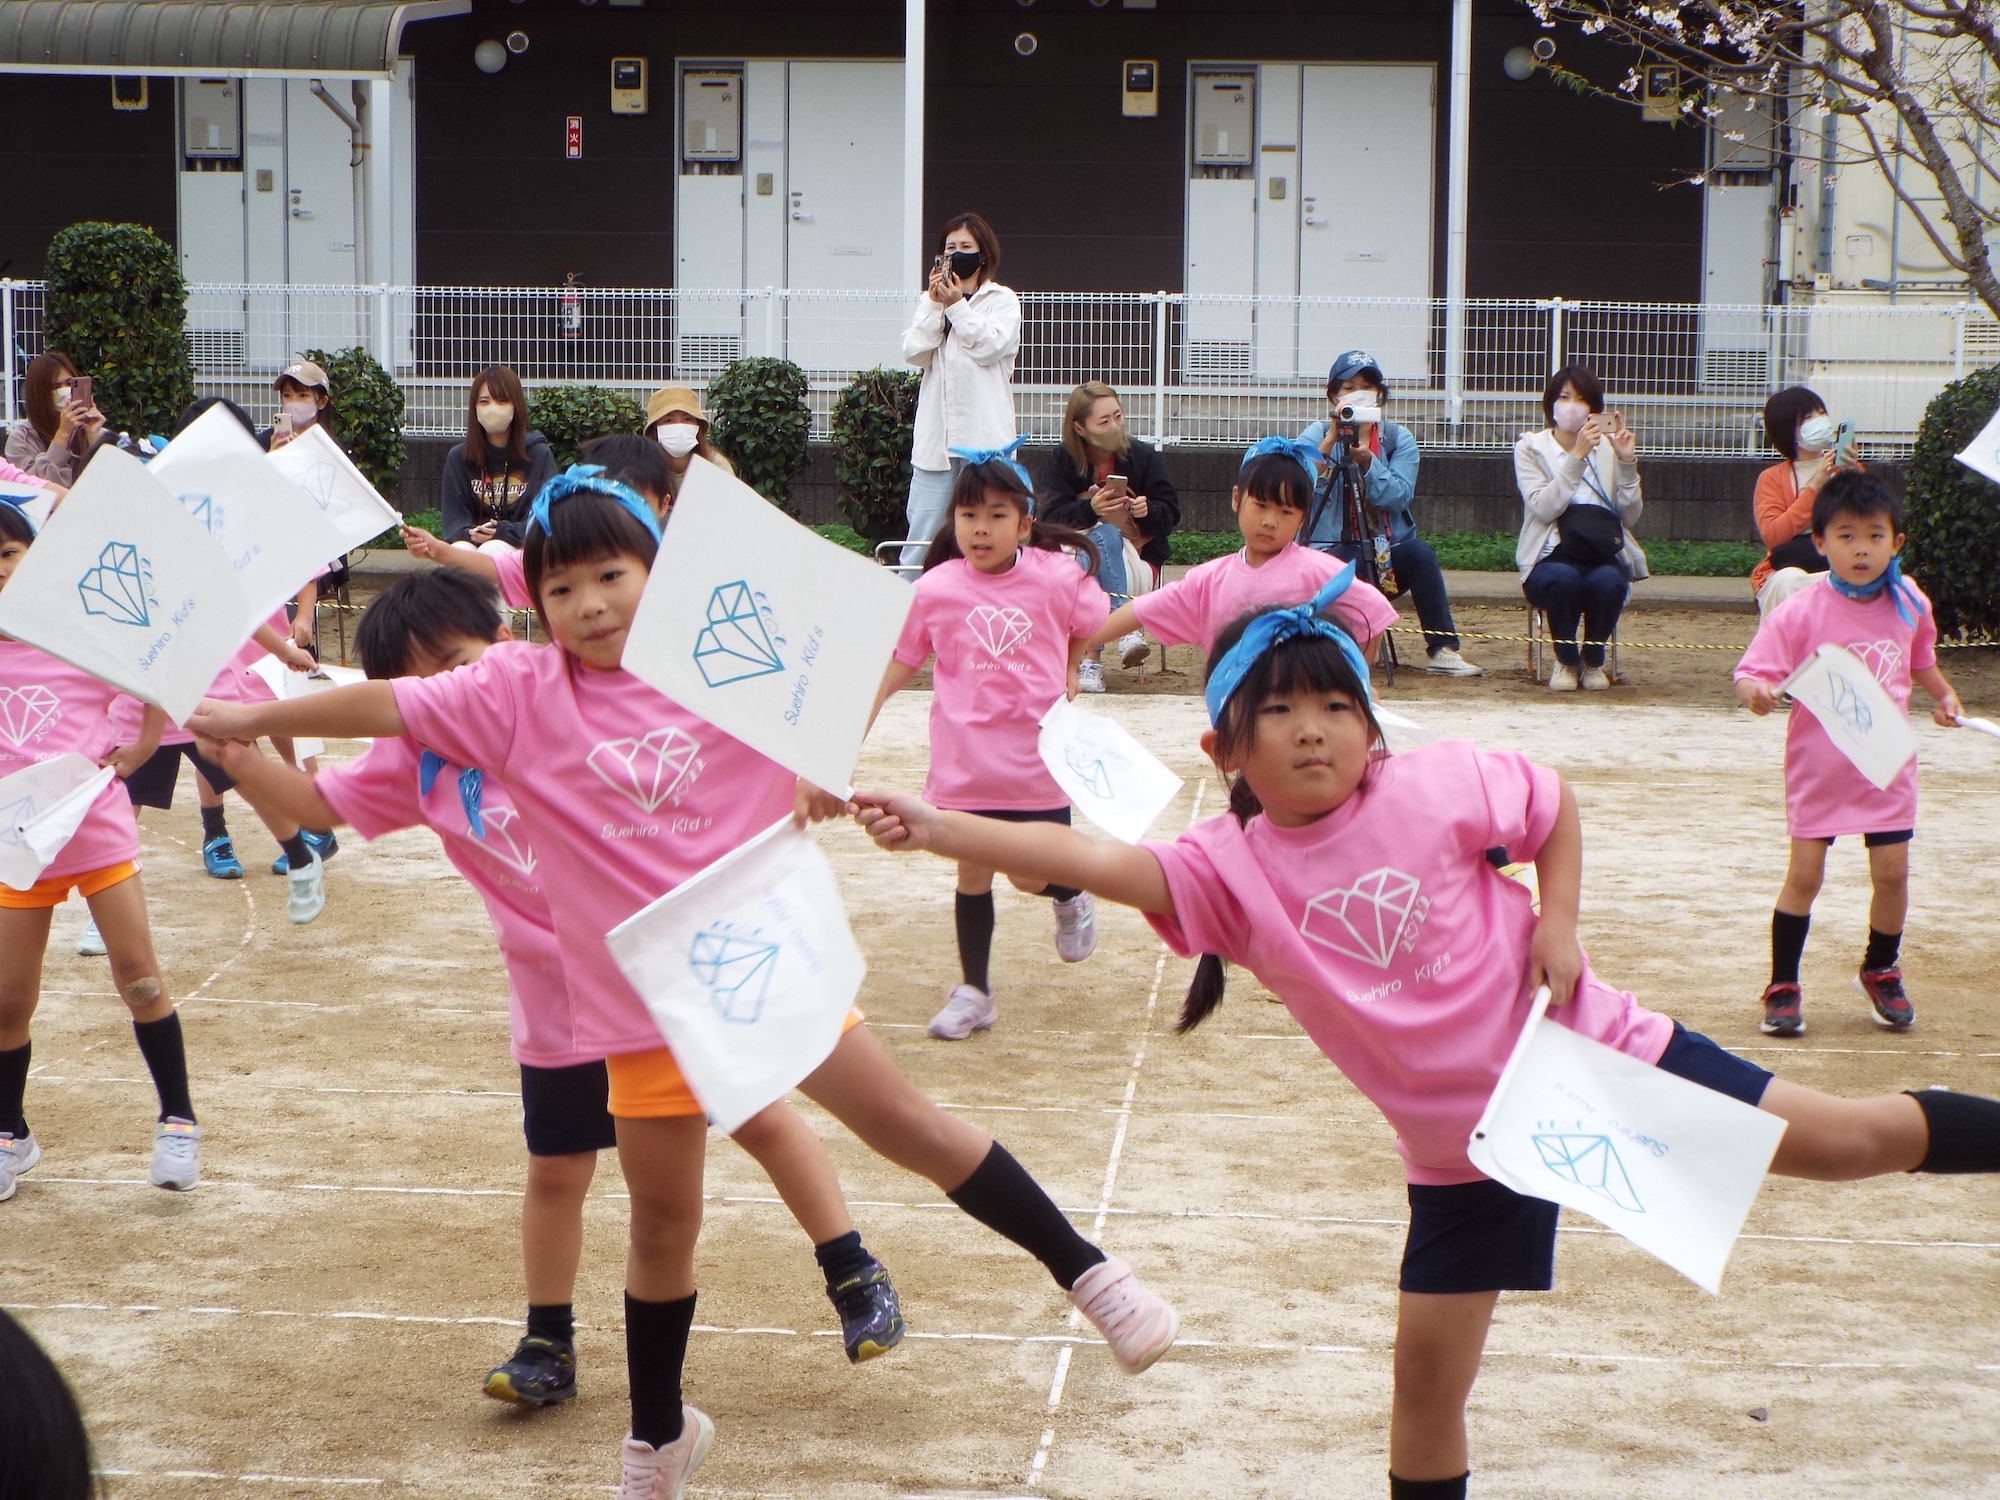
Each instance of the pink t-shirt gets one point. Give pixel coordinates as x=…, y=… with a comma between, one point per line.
x=1198, y=607
x=1002, y=647
x=1392, y=941
x=47, y=707
x=513, y=570
x=1825, y=795
x=128, y=716
x=381, y=792
x=622, y=793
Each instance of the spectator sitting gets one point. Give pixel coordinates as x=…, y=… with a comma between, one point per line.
x=1116, y=489
x=490, y=478
x=1386, y=453
x=305, y=397
x=675, y=420
x=1579, y=481
x=1797, y=425
x=59, y=430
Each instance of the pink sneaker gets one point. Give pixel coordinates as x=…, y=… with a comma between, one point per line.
x=662, y=1473
x=1138, y=1323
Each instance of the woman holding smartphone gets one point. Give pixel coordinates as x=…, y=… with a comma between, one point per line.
x=62, y=424
x=964, y=335
x=1796, y=423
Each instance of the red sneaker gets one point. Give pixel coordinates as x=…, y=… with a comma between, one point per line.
x=1781, y=1011
x=1884, y=989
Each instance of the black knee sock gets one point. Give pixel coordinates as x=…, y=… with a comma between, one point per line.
x=974, y=916
x=1428, y=1489
x=297, y=855
x=214, y=823
x=656, y=1346
x=13, y=1088
x=842, y=1257
x=1882, y=950
x=1965, y=1132
x=1788, y=945
x=1061, y=892
x=1001, y=1195
x=166, y=1058
x=552, y=1320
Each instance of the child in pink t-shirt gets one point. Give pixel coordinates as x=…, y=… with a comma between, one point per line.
x=624, y=794
x=47, y=708
x=1865, y=605
x=1272, y=493
x=1008, y=617
x=1356, y=886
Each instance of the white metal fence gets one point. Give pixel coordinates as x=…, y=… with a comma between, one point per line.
x=1190, y=369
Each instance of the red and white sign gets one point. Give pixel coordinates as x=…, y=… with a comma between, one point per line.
x=573, y=137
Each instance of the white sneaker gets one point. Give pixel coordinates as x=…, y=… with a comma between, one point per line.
x=306, y=896
x=967, y=1009
x=1076, y=927
x=1449, y=663
x=176, y=1155
x=1137, y=1322
x=1594, y=680
x=90, y=942
x=1090, y=677
x=16, y=1156
x=1562, y=679
x=662, y=1473
x=1133, y=648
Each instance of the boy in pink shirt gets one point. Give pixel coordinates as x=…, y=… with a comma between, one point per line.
x=1272, y=494
x=1007, y=617
x=1356, y=887
x=1865, y=605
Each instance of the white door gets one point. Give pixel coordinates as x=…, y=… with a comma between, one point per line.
x=319, y=189
x=844, y=212
x=1365, y=195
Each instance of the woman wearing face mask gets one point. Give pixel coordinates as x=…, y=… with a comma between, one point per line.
x=1796, y=422
x=964, y=336
x=57, y=434
x=304, y=400
x=490, y=478
x=1579, y=481
x=1114, y=488
x=675, y=419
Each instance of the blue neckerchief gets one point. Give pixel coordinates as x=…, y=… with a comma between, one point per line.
x=1309, y=457
x=1273, y=629
x=469, y=785
x=1900, y=593
x=578, y=479
x=1003, y=455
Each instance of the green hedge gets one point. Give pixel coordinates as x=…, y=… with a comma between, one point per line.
x=758, y=415
x=873, y=429
x=117, y=302
x=1953, y=515
x=392, y=539
x=1483, y=552
x=569, y=416
x=367, y=407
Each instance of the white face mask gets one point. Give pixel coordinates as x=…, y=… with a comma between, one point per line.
x=496, y=419
x=1817, y=434
x=679, y=438
x=1569, y=416
x=301, y=414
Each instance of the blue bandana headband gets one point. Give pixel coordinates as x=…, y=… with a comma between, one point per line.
x=1001, y=456
x=470, y=784
x=1274, y=628
x=1900, y=593
x=1308, y=456
x=580, y=479
x=9, y=500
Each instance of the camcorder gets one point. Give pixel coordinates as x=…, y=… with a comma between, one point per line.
x=1351, y=414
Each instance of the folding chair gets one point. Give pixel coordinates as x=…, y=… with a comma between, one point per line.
x=903, y=570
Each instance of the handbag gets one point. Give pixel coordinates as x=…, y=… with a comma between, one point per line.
x=1800, y=553
x=1589, y=537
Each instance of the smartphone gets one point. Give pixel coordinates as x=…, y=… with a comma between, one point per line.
x=1117, y=485
x=80, y=391
x=937, y=266
x=1843, y=444
x=1608, y=420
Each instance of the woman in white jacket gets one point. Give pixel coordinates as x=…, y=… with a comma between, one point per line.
x=964, y=337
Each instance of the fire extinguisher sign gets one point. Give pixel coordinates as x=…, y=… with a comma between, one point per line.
x=573, y=137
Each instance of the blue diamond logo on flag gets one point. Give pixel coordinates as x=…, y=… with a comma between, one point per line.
x=1849, y=704
x=204, y=509
x=736, y=968
x=1590, y=1161
x=319, y=481
x=118, y=586
x=1092, y=770
x=12, y=816
x=734, y=646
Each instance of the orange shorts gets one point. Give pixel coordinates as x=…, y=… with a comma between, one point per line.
x=55, y=890
x=649, y=1086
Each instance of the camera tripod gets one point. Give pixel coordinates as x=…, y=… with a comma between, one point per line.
x=1354, y=524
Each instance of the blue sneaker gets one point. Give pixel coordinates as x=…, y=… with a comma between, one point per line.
x=324, y=845
x=218, y=857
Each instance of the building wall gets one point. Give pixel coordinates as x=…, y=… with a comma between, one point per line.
x=66, y=156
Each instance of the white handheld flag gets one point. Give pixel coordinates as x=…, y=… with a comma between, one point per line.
x=1982, y=454
x=769, y=632
x=313, y=461
x=285, y=683
x=1670, y=1165
x=748, y=969
x=126, y=585
x=41, y=809
x=1984, y=726
x=1860, y=718
x=1117, y=781
x=273, y=536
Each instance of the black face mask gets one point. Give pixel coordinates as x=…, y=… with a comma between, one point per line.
x=964, y=263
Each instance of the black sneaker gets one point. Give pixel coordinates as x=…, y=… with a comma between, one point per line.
x=1884, y=989
x=1782, y=1004
x=541, y=1373
x=871, y=1318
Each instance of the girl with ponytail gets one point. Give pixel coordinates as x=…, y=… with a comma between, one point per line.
x=1356, y=886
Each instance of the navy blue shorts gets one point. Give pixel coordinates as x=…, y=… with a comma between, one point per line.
x=567, y=1110
x=1877, y=840
x=1015, y=815
x=152, y=785
x=1485, y=1237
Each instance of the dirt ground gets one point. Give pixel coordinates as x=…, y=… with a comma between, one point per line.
x=315, y=1319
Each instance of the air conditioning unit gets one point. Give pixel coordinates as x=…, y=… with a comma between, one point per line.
x=1216, y=357
x=699, y=355
x=1741, y=371
x=215, y=348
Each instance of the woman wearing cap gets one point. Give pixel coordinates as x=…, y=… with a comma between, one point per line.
x=964, y=336
x=303, y=399
x=60, y=429
x=490, y=478
x=675, y=419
